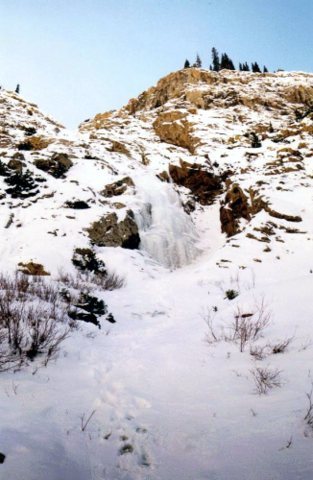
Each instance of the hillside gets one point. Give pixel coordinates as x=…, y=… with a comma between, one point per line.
x=189, y=213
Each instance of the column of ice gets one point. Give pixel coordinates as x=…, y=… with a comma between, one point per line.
x=166, y=231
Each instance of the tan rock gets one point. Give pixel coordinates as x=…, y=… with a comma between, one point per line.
x=119, y=147
x=31, y=268
x=117, y=188
x=173, y=127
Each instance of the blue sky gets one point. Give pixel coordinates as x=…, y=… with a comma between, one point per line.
x=76, y=58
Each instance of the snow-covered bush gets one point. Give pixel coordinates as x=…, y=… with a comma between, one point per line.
x=33, y=320
x=265, y=379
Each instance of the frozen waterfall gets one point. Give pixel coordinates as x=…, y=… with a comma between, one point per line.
x=166, y=231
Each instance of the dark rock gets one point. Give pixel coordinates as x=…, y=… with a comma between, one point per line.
x=18, y=156
x=56, y=166
x=109, y=232
x=117, y=188
x=110, y=318
x=77, y=205
x=30, y=131
x=235, y=207
x=163, y=176
x=2, y=457
x=15, y=164
x=203, y=184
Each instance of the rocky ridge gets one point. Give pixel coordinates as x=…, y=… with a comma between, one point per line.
x=234, y=150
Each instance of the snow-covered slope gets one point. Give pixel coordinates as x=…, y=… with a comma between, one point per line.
x=206, y=373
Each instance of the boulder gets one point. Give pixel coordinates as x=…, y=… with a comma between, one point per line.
x=31, y=268
x=119, y=147
x=34, y=143
x=15, y=164
x=109, y=232
x=173, y=127
x=56, y=166
x=117, y=188
x=235, y=207
x=203, y=184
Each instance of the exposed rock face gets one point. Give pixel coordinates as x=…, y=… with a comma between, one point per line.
x=117, y=188
x=235, y=207
x=35, y=143
x=109, y=232
x=173, y=127
x=57, y=165
x=171, y=86
x=119, y=147
x=32, y=268
x=203, y=184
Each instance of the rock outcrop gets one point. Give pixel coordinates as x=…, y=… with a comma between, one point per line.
x=174, y=127
x=204, y=185
x=109, y=232
x=117, y=188
x=234, y=208
x=169, y=87
x=56, y=166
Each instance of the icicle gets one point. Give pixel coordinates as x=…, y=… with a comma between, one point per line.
x=166, y=231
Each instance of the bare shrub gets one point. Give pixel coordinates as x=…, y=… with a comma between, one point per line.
x=246, y=327
x=265, y=379
x=77, y=281
x=259, y=352
x=249, y=326
x=85, y=420
x=281, y=346
x=309, y=413
x=112, y=281
x=94, y=270
x=31, y=317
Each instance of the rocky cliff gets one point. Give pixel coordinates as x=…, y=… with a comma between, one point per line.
x=182, y=224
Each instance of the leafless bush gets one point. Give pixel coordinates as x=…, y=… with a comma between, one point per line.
x=246, y=327
x=77, y=281
x=259, y=352
x=249, y=326
x=265, y=379
x=31, y=317
x=281, y=346
x=86, y=280
x=111, y=281
x=309, y=413
x=85, y=420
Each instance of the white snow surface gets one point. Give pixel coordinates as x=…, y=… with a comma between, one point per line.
x=188, y=407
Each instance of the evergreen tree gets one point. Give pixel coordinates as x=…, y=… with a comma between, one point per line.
x=245, y=67
x=255, y=67
x=265, y=70
x=226, y=62
x=198, y=62
x=240, y=67
x=255, y=142
x=187, y=64
x=215, y=60
x=17, y=90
